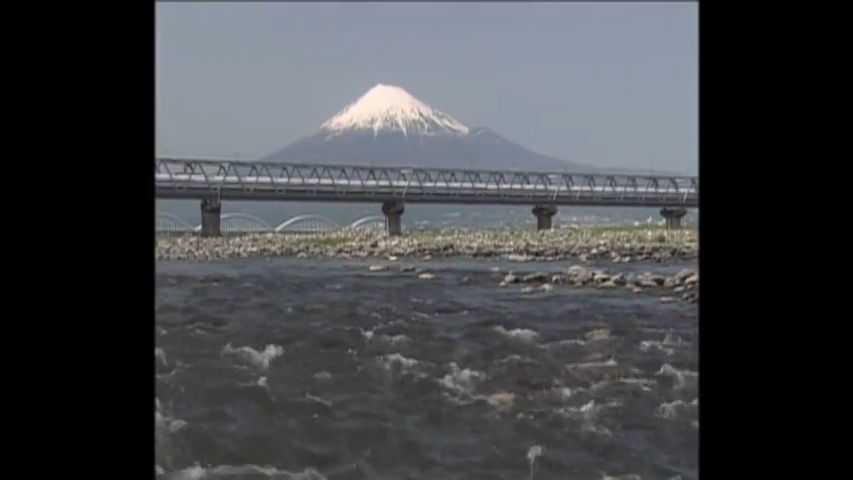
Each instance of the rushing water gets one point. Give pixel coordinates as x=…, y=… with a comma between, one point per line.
x=312, y=369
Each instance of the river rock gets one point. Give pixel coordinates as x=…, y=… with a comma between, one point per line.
x=597, y=334
x=538, y=277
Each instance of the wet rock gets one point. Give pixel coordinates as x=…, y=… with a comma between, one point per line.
x=637, y=290
x=597, y=334
x=615, y=375
x=510, y=278
x=503, y=399
x=535, y=278
x=667, y=299
x=684, y=274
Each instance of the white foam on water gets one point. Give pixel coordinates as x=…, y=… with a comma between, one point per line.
x=397, y=359
x=681, y=376
x=461, y=385
x=666, y=345
x=367, y=334
x=395, y=339
x=645, y=384
x=165, y=423
x=609, y=363
x=524, y=334
x=587, y=414
x=671, y=409
x=198, y=472
x=319, y=400
x=648, y=345
x=260, y=359
x=532, y=453
x=516, y=358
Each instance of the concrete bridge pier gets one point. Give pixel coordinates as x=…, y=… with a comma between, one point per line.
x=673, y=217
x=393, y=211
x=211, y=214
x=544, y=215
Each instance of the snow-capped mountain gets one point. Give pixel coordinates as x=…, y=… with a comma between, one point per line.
x=387, y=126
x=392, y=109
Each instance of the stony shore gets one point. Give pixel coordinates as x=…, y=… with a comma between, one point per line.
x=584, y=244
x=684, y=284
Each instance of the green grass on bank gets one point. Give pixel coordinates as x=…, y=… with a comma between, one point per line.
x=633, y=228
x=644, y=232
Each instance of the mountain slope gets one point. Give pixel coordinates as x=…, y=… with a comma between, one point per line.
x=389, y=127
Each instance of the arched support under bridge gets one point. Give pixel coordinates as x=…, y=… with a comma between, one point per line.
x=166, y=222
x=308, y=224
x=373, y=222
x=240, y=223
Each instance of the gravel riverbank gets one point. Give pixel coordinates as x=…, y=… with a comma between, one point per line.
x=613, y=244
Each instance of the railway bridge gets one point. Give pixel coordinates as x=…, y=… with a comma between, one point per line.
x=214, y=181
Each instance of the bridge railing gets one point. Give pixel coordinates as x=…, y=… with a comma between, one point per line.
x=425, y=184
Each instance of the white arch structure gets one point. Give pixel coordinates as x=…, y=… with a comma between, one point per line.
x=318, y=222
x=238, y=222
x=244, y=222
x=373, y=221
x=168, y=220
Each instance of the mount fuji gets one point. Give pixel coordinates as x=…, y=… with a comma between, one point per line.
x=387, y=126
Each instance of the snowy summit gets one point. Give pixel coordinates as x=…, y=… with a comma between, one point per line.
x=390, y=108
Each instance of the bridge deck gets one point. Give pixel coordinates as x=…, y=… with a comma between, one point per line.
x=231, y=180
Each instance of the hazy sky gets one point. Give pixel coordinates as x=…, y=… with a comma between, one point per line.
x=606, y=84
